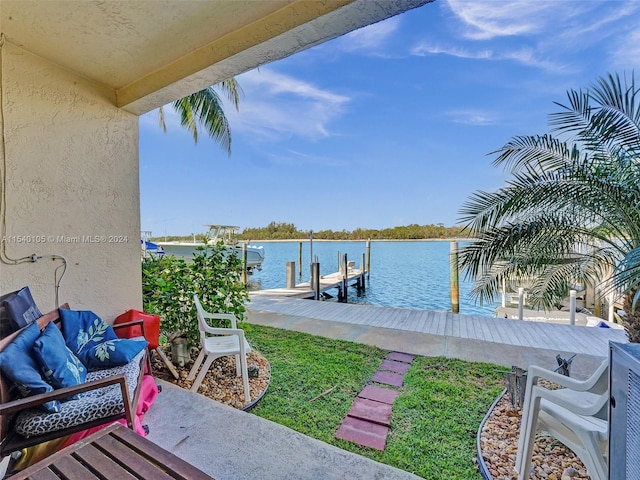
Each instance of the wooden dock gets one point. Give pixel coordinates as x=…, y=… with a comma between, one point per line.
x=305, y=290
x=427, y=332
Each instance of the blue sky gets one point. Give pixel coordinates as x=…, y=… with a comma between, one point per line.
x=388, y=125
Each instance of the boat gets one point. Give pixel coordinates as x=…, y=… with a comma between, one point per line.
x=226, y=234
x=150, y=248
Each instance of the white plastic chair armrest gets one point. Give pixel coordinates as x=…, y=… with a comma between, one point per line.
x=588, y=409
x=224, y=331
x=221, y=316
x=534, y=373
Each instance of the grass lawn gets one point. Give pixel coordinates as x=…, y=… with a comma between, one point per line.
x=435, y=418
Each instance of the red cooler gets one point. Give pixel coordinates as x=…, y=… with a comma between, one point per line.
x=151, y=326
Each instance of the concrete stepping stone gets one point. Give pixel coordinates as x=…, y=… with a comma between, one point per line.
x=393, y=366
x=366, y=434
x=388, y=378
x=379, y=394
x=400, y=357
x=370, y=410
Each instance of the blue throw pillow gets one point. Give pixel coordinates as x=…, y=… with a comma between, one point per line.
x=113, y=353
x=94, y=342
x=17, y=363
x=60, y=367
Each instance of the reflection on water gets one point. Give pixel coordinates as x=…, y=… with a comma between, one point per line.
x=403, y=274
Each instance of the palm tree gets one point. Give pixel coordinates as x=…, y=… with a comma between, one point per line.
x=205, y=108
x=571, y=212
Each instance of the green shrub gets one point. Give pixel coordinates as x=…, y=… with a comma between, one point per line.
x=168, y=285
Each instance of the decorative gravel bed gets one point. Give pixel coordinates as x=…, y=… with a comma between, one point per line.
x=220, y=383
x=499, y=446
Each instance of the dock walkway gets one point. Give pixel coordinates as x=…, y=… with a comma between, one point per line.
x=427, y=332
x=304, y=290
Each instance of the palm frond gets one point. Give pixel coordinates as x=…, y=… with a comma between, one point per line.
x=571, y=211
x=537, y=153
x=574, y=117
x=205, y=108
x=161, y=120
x=232, y=90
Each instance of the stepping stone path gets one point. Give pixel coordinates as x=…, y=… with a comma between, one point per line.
x=368, y=421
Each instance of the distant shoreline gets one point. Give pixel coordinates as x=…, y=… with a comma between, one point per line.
x=372, y=240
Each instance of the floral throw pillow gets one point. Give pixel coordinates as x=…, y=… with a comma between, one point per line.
x=94, y=342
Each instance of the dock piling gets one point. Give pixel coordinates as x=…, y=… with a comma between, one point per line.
x=572, y=307
x=315, y=280
x=318, y=285
x=291, y=271
x=244, y=262
x=455, y=289
x=311, y=252
x=345, y=277
x=520, y=303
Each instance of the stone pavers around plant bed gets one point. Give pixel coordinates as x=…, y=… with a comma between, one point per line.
x=368, y=421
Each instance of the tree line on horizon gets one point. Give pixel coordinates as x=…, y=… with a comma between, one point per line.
x=288, y=231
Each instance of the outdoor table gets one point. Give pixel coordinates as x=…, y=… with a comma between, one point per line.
x=115, y=452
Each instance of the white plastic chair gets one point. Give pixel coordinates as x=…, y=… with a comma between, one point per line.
x=220, y=342
x=575, y=414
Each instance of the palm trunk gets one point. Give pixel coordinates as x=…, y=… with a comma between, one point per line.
x=631, y=318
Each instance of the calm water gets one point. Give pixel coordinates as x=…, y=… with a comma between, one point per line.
x=403, y=274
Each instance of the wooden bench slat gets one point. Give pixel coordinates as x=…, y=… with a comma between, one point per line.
x=102, y=464
x=170, y=462
x=69, y=469
x=45, y=474
x=131, y=459
x=113, y=452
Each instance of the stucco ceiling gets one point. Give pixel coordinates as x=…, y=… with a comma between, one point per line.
x=150, y=52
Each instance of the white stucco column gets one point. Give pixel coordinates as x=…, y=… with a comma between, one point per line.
x=72, y=188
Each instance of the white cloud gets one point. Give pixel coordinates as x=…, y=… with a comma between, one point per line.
x=551, y=24
x=370, y=37
x=626, y=55
x=532, y=58
x=277, y=106
x=525, y=56
x=542, y=34
x=423, y=49
x=625, y=50
x=486, y=19
x=471, y=117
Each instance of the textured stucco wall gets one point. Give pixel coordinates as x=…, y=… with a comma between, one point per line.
x=72, y=188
